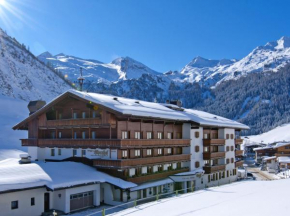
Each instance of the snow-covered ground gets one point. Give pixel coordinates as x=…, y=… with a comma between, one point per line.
x=278, y=134
x=265, y=198
x=12, y=111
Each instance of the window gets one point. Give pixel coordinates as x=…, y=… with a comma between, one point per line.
x=169, y=151
x=227, y=136
x=208, y=178
x=83, y=134
x=196, y=134
x=232, y=136
x=74, y=152
x=94, y=114
x=205, y=136
x=169, y=135
x=124, y=134
x=52, y=135
x=83, y=115
x=232, y=148
x=196, y=164
x=93, y=134
x=178, y=135
x=159, y=135
x=52, y=152
x=60, y=116
x=137, y=153
x=214, y=135
x=196, y=148
x=124, y=154
x=206, y=149
x=14, y=205
x=228, y=160
x=159, y=151
x=206, y=162
x=137, y=135
x=59, y=151
x=160, y=168
x=59, y=135
x=83, y=152
x=149, y=152
x=201, y=180
x=32, y=202
x=75, y=115
x=228, y=148
x=149, y=135
x=232, y=160
x=75, y=135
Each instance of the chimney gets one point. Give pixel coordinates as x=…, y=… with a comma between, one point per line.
x=33, y=106
x=179, y=103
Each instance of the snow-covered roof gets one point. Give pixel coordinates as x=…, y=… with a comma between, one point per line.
x=263, y=148
x=140, y=108
x=10, y=153
x=269, y=158
x=152, y=184
x=283, y=159
x=53, y=175
x=281, y=144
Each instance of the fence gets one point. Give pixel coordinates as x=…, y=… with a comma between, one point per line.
x=134, y=203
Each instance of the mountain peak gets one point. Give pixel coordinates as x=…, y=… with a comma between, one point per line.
x=45, y=55
x=283, y=42
x=200, y=62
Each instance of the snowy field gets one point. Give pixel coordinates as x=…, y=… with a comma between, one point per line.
x=278, y=134
x=266, y=198
x=12, y=111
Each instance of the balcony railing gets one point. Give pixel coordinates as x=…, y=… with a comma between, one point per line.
x=104, y=143
x=72, y=122
x=239, y=163
x=216, y=168
x=141, y=161
x=209, y=142
x=238, y=141
x=155, y=176
x=239, y=152
x=281, y=154
x=213, y=155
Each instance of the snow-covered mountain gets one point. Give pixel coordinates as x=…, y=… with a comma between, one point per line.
x=23, y=76
x=270, y=57
x=96, y=71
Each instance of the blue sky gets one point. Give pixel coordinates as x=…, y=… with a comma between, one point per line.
x=163, y=34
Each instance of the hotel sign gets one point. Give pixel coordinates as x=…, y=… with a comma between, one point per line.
x=99, y=153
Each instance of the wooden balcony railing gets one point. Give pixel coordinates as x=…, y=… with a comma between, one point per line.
x=281, y=154
x=155, y=176
x=104, y=143
x=239, y=152
x=213, y=155
x=209, y=142
x=238, y=141
x=216, y=168
x=72, y=122
x=141, y=161
x=239, y=163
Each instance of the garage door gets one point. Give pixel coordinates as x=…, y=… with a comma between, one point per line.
x=81, y=200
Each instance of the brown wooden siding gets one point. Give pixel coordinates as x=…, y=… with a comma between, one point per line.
x=141, y=161
x=211, y=169
x=238, y=141
x=239, y=152
x=156, y=176
x=213, y=155
x=209, y=142
x=239, y=163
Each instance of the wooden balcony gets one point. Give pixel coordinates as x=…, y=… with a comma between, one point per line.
x=73, y=122
x=283, y=154
x=140, y=161
x=238, y=141
x=239, y=152
x=155, y=176
x=211, y=142
x=105, y=143
x=239, y=163
x=213, y=155
x=212, y=169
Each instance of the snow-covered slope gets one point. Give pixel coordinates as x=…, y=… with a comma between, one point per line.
x=278, y=134
x=23, y=76
x=96, y=71
x=261, y=198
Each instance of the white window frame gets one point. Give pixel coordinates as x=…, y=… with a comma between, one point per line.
x=124, y=134
x=169, y=151
x=59, y=135
x=137, y=135
x=149, y=152
x=169, y=135
x=149, y=134
x=159, y=135
x=124, y=154
x=159, y=151
x=137, y=152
